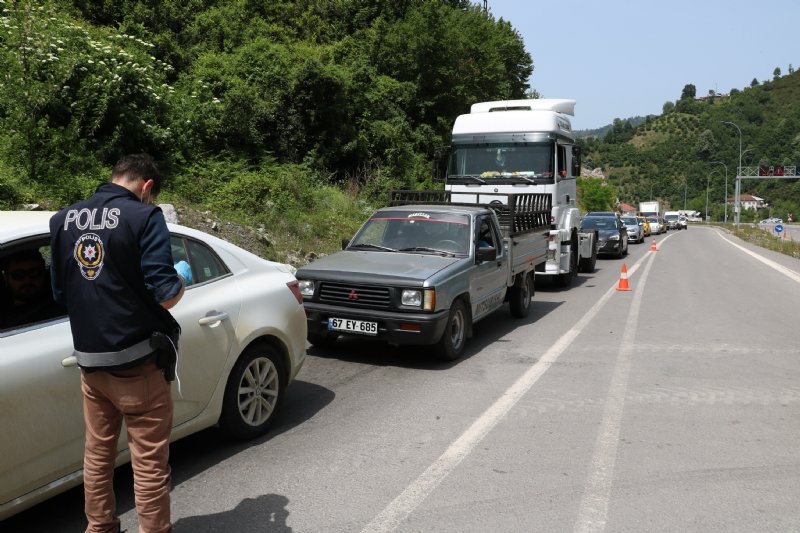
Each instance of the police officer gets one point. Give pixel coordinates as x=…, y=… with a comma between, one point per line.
x=112, y=267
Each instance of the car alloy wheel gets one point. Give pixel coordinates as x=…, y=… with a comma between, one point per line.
x=253, y=393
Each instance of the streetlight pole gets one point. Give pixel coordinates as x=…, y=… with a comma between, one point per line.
x=738, y=174
x=726, y=186
x=685, y=184
x=708, y=181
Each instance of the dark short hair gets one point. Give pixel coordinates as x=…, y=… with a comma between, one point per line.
x=29, y=254
x=138, y=166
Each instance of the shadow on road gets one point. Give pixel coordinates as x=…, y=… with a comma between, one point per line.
x=264, y=514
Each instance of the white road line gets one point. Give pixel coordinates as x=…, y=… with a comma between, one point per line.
x=593, y=510
x=413, y=495
x=791, y=274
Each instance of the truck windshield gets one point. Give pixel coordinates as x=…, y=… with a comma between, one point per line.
x=508, y=161
x=415, y=231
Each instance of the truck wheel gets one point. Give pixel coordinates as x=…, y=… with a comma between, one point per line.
x=588, y=264
x=520, y=298
x=451, y=344
x=565, y=280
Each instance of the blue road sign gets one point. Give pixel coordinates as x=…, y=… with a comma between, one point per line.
x=778, y=228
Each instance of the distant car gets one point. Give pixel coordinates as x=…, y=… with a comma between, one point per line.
x=655, y=226
x=771, y=221
x=243, y=342
x=645, y=225
x=635, y=228
x=683, y=223
x=673, y=221
x=612, y=235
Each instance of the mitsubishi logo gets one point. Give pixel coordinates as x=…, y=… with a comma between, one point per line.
x=352, y=295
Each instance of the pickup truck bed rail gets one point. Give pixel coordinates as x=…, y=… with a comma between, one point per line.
x=517, y=213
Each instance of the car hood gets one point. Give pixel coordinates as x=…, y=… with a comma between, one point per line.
x=386, y=267
x=606, y=233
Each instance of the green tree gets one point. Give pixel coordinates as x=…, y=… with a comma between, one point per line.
x=596, y=195
x=689, y=92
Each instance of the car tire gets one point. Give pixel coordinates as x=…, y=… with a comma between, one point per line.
x=454, y=338
x=519, y=298
x=253, y=393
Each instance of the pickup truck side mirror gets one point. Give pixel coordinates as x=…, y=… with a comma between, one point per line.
x=485, y=253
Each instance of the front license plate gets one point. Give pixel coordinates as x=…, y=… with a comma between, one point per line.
x=353, y=326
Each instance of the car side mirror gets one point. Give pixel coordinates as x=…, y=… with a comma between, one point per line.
x=345, y=243
x=485, y=253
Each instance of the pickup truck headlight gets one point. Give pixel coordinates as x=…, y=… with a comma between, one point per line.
x=411, y=298
x=306, y=287
x=425, y=299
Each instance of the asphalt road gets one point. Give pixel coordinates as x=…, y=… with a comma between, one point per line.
x=674, y=406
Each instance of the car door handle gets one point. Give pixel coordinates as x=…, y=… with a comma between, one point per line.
x=69, y=361
x=211, y=319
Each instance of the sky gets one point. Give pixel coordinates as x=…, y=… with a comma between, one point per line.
x=626, y=58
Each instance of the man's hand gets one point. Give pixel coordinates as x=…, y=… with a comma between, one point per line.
x=185, y=271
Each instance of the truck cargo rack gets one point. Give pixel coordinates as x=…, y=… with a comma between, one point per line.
x=518, y=213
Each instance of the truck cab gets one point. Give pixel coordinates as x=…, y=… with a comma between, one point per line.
x=525, y=146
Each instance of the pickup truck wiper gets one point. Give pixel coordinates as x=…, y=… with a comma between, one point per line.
x=372, y=246
x=426, y=249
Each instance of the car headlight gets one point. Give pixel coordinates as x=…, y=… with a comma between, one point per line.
x=424, y=299
x=614, y=237
x=306, y=287
x=411, y=298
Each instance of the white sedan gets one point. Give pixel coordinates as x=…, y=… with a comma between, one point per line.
x=243, y=342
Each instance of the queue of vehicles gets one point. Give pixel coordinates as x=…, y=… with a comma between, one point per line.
x=420, y=271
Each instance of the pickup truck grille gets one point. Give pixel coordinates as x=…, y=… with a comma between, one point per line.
x=360, y=295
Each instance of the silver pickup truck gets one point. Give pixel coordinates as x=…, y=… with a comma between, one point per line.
x=425, y=269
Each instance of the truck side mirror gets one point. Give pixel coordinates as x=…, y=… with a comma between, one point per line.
x=576, y=161
x=485, y=253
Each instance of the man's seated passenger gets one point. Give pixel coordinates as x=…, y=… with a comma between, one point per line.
x=28, y=287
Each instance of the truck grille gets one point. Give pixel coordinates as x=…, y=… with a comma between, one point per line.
x=355, y=295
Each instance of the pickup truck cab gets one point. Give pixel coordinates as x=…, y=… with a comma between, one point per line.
x=423, y=274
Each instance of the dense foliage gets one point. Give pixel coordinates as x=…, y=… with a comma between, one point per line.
x=261, y=109
x=688, y=151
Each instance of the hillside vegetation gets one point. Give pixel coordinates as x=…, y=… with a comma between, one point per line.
x=291, y=116
x=282, y=124
x=688, y=148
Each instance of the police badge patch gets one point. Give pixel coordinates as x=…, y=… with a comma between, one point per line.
x=89, y=253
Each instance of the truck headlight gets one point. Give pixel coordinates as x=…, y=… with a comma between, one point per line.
x=306, y=287
x=424, y=299
x=411, y=298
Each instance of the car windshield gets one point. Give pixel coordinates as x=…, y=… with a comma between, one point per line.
x=414, y=231
x=598, y=223
x=630, y=221
x=523, y=160
x=671, y=217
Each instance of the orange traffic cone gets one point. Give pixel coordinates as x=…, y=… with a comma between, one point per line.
x=653, y=246
x=623, y=279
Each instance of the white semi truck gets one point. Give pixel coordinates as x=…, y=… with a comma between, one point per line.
x=526, y=146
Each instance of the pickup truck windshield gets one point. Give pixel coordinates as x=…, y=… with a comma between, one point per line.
x=528, y=162
x=415, y=231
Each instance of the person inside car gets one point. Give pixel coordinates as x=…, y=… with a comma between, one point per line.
x=28, y=287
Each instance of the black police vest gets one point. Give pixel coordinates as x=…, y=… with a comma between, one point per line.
x=95, y=246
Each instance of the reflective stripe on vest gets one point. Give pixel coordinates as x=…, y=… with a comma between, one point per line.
x=105, y=359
